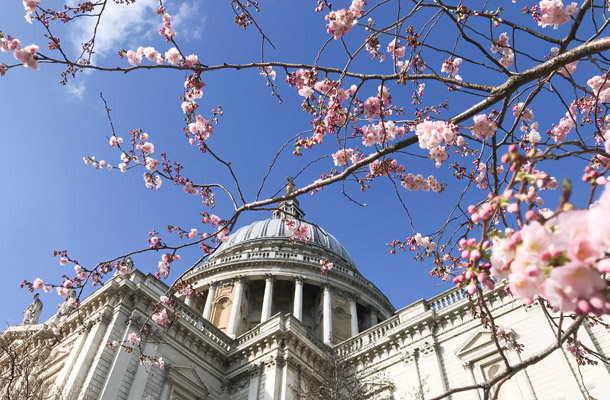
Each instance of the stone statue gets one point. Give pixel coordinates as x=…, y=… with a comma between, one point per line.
x=32, y=313
x=64, y=308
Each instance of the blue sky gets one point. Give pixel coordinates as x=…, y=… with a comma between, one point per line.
x=51, y=200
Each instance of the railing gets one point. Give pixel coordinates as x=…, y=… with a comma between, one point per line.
x=203, y=325
x=367, y=338
x=445, y=299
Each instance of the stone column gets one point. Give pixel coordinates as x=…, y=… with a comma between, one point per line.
x=298, y=298
x=327, y=316
x=468, y=367
x=235, y=309
x=189, y=300
x=353, y=309
x=523, y=381
x=374, y=320
x=207, y=310
x=267, y=298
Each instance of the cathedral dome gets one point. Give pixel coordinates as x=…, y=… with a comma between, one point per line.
x=260, y=270
x=275, y=229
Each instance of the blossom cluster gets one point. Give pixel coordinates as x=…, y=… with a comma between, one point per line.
x=501, y=46
x=341, y=21
x=415, y=182
x=552, y=12
x=562, y=259
x=299, y=231
x=27, y=55
x=381, y=133
x=452, y=66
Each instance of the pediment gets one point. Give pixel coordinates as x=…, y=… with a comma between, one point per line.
x=478, y=345
x=187, y=378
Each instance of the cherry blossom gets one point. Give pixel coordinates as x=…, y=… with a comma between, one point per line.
x=340, y=22
x=115, y=141
x=342, y=156
x=27, y=56
x=395, y=49
x=173, y=56
x=501, y=45
x=452, y=66
x=188, y=188
x=483, y=126
x=160, y=317
x=431, y=134
x=30, y=5
x=134, y=338
x=133, y=58
x=553, y=13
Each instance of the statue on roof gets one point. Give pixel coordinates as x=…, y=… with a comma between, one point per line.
x=290, y=186
x=32, y=313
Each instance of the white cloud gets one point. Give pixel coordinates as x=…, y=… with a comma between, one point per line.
x=187, y=21
x=120, y=26
x=136, y=24
x=76, y=88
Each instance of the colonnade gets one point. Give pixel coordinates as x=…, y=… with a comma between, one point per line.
x=327, y=313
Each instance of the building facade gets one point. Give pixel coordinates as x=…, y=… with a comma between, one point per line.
x=263, y=320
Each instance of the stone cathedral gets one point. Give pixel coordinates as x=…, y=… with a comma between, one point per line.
x=263, y=317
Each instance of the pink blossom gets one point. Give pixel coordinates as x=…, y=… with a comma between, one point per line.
x=372, y=107
x=63, y=261
x=451, y=66
x=192, y=233
x=160, y=317
x=27, y=56
x=30, y=5
x=340, y=22
x=439, y=155
x=431, y=134
x=147, y=148
x=526, y=113
x=306, y=91
x=501, y=45
x=415, y=182
x=173, y=56
x=342, y=156
x=38, y=284
x=395, y=49
x=152, y=54
x=164, y=269
x=201, y=127
x=483, y=126
x=133, y=58
x=115, y=141
x=133, y=338
x=188, y=188
x=151, y=164
x=568, y=283
x=300, y=231
x=357, y=8
x=553, y=13
x=191, y=60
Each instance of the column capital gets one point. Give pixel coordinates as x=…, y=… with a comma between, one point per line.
x=299, y=279
x=351, y=297
x=214, y=284
x=239, y=279
x=467, y=365
x=270, y=277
